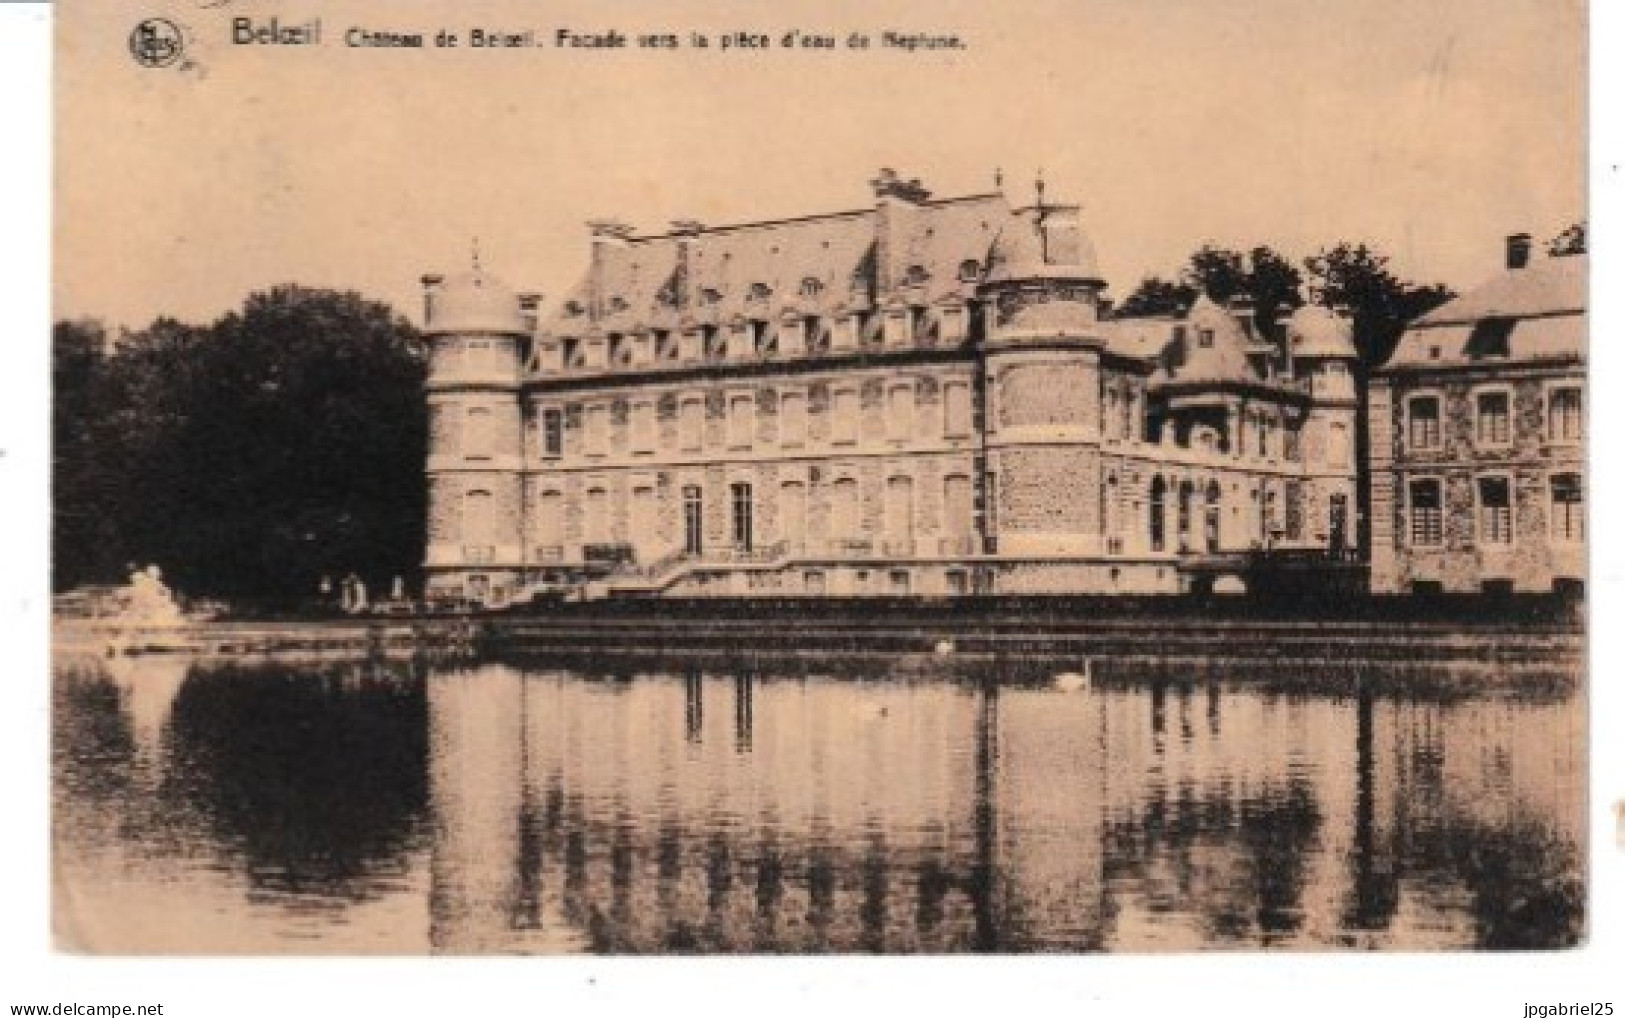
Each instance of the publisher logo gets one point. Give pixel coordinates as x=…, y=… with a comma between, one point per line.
x=156, y=42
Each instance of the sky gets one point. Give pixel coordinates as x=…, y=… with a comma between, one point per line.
x=1429, y=130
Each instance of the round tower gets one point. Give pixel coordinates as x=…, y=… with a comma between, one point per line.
x=1042, y=383
x=477, y=337
x=1321, y=343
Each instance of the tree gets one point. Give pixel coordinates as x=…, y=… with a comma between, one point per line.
x=83, y=533
x=1571, y=241
x=285, y=441
x=1157, y=297
x=1356, y=277
x=1221, y=273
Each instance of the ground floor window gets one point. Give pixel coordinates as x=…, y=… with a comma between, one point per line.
x=1337, y=518
x=1427, y=513
x=693, y=520
x=1495, y=510
x=744, y=517
x=1159, y=494
x=1568, y=508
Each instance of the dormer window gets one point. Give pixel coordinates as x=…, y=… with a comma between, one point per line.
x=760, y=292
x=811, y=287
x=763, y=341
x=814, y=334
x=1491, y=337
x=916, y=276
x=617, y=304
x=710, y=295
x=665, y=345
x=970, y=270
x=1204, y=338
x=573, y=309
x=715, y=347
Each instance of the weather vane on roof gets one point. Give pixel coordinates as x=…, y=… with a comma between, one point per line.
x=1038, y=186
x=998, y=178
x=476, y=254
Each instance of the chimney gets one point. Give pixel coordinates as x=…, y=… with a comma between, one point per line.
x=891, y=190
x=1518, y=250
x=606, y=233
x=687, y=231
x=431, y=288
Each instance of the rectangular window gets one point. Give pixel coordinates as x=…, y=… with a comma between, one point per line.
x=481, y=436
x=597, y=430
x=1495, y=510
x=741, y=421
x=1494, y=418
x=793, y=420
x=1427, y=513
x=744, y=521
x=690, y=425
x=1568, y=509
x=552, y=431
x=956, y=409
x=1424, y=413
x=643, y=427
x=1565, y=416
x=899, y=412
x=844, y=417
x=693, y=519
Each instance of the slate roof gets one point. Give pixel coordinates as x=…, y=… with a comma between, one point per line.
x=817, y=264
x=1535, y=313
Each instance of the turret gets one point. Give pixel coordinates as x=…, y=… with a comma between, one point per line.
x=478, y=338
x=1321, y=343
x=1042, y=382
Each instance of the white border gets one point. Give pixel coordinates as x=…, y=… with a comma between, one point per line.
x=1250, y=984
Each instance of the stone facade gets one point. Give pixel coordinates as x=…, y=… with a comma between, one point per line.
x=921, y=398
x=1477, y=441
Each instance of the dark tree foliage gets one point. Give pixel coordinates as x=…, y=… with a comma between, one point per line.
x=1262, y=273
x=84, y=537
x=1571, y=241
x=1356, y=277
x=1156, y=297
x=283, y=442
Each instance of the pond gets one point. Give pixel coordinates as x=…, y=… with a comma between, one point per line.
x=786, y=804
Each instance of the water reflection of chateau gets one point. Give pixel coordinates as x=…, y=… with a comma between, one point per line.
x=722, y=812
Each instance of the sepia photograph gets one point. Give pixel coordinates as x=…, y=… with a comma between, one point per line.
x=697, y=478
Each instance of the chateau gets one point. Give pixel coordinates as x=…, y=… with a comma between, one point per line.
x=923, y=396
x=1477, y=432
